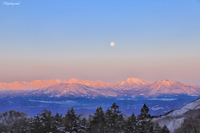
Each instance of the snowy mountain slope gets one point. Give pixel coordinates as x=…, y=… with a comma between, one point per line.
x=175, y=118
x=130, y=83
x=23, y=85
x=171, y=87
x=130, y=87
x=66, y=89
x=95, y=84
x=73, y=89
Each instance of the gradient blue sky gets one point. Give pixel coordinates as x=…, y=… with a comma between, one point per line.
x=154, y=40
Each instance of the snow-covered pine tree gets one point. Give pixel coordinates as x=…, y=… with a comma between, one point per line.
x=157, y=128
x=36, y=125
x=144, y=124
x=97, y=124
x=57, y=123
x=47, y=120
x=113, y=120
x=108, y=121
x=130, y=124
x=72, y=123
x=165, y=129
x=144, y=112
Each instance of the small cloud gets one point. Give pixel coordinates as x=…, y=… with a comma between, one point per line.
x=11, y=3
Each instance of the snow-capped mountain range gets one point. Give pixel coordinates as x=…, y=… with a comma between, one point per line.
x=84, y=88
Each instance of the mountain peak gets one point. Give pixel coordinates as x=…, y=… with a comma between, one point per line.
x=167, y=82
x=135, y=81
x=73, y=80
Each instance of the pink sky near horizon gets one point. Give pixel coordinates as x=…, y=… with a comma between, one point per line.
x=107, y=71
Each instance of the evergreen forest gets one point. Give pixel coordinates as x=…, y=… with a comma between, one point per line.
x=110, y=121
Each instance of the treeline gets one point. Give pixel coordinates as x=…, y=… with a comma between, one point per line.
x=112, y=121
x=190, y=124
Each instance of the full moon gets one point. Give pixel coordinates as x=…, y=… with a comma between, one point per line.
x=112, y=44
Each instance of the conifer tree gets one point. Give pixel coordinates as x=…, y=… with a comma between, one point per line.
x=117, y=118
x=108, y=121
x=130, y=126
x=113, y=119
x=36, y=125
x=83, y=124
x=144, y=124
x=190, y=125
x=157, y=128
x=47, y=120
x=24, y=124
x=72, y=123
x=57, y=122
x=89, y=123
x=97, y=124
x=165, y=129
x=144, y=112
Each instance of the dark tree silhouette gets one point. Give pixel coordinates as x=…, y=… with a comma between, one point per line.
x=47, y=120
x=57, y=123
x=113, y=119
x=110, y=122
x=131, y=124
x=144, y=112
x=190, y=125
x=157, y=128
x=36, y=125
x=166, y=130
x=144, y=124
x=97, y=124
x=72, y=123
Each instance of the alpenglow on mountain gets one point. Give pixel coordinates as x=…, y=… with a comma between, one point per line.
x=85, y=88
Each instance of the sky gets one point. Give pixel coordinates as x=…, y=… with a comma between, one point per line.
x=154, y=40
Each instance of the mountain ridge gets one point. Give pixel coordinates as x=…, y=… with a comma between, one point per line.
x=131, y=86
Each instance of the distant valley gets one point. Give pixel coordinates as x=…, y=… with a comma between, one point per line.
x=58, y=95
